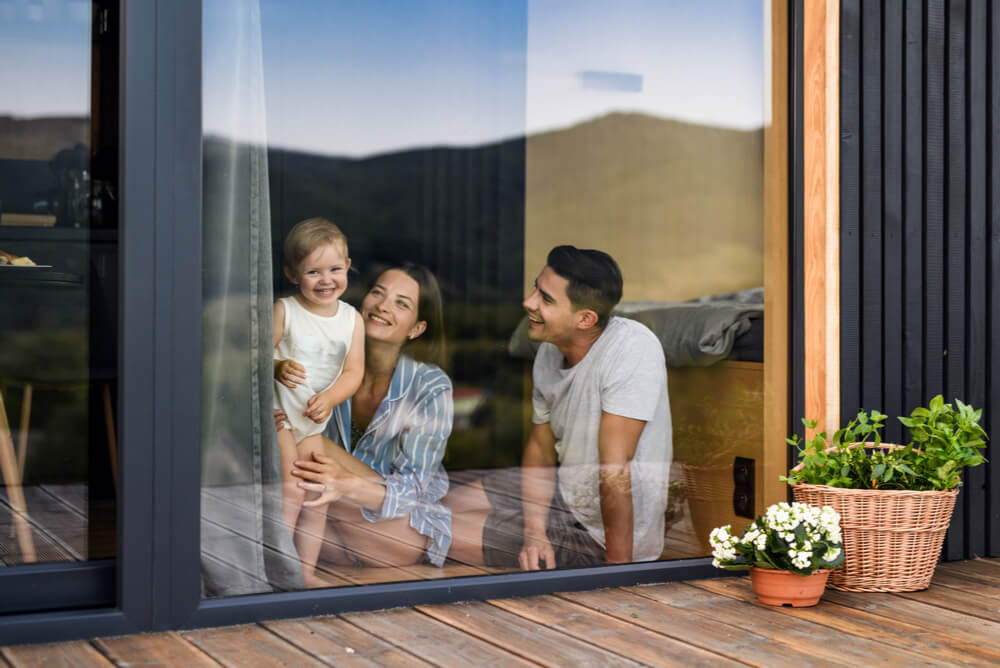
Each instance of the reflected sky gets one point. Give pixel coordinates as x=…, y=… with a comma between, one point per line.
x=45, y=51
x=355, y=77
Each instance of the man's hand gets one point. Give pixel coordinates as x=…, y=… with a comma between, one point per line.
x=536, y=551
x=289, y=373
x=538, y=485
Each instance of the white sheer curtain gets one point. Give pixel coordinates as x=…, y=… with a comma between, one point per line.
x=245, y=546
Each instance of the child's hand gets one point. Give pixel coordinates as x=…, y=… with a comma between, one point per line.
x=289, y=373
x=319, y=407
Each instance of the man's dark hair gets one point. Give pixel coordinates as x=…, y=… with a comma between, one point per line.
x=595, y=281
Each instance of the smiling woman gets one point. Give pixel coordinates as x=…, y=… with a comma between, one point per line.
x=381, y=469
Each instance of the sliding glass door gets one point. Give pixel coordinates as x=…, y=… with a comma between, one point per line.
x=58, y=294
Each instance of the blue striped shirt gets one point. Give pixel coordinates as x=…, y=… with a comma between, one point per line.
x=405, y=443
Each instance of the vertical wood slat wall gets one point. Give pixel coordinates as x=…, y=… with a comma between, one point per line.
x=920, y=224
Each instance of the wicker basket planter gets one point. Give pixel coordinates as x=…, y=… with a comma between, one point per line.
x=892, y=538
x=709, y=494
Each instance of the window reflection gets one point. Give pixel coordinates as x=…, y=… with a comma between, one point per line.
x=472, y=140
x=58, y=280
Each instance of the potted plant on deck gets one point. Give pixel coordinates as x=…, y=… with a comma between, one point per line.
x=789, y=552
x=895, y=501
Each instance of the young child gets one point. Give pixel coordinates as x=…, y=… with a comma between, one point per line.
x=319, y=360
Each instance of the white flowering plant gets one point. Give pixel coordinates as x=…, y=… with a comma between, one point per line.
x=792, y=537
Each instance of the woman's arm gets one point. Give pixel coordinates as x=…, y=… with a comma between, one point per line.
x=337, y=474
x=417, y=480
x=415, y=477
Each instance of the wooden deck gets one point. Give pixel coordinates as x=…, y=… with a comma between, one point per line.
x=706, y=622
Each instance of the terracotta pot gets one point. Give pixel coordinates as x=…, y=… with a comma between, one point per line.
x=774, y=587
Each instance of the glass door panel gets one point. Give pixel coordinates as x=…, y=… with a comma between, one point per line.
x=58, y=281
x=471, y=139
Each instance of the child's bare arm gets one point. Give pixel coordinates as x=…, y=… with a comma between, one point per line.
x=321, y=405
x=287, y=372
x=279, y=323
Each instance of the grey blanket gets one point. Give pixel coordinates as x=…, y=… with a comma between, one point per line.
x=692, y=334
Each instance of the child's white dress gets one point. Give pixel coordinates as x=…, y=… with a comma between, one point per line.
x=318, y=343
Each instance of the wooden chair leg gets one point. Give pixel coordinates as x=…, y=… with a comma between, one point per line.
x=22, y=436
x=109, y=423
x=15, y=494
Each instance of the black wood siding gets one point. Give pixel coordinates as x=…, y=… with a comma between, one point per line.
x=920, y=224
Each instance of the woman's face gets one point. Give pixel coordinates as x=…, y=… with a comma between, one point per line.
x=390, y=309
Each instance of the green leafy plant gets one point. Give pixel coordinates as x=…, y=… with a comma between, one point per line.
x=792, y=537
x=945, y=440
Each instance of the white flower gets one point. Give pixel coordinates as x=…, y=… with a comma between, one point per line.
x=720, y=535
x=831, y=554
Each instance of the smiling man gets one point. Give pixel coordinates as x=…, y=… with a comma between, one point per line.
x=593, y=481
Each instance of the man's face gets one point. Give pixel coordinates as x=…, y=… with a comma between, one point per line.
x=551, y=316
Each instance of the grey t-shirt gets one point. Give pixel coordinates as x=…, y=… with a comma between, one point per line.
x=623, y=373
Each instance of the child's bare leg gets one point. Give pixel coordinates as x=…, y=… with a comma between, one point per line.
x=312, y=521
x=291, y=494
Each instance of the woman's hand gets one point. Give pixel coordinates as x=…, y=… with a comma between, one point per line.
x=319, y=407
x=325, y=477
x=289, y=373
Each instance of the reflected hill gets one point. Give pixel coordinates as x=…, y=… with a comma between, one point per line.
x=678, y=205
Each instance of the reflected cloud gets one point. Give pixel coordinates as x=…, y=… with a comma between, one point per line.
x=620, y=81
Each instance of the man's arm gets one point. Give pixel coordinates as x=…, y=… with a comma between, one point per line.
x=538, y=484
x=618, y=438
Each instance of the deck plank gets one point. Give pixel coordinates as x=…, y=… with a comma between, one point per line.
x=752, y=641
x=982, y=569
x=531, y=641
x=337, y=641
x=153, y=649
x=931, y=618
x=249, y=645
x=432, y=640
x=950, y=599
x=908, y=636
x=970, y=584
x=78, y=654
x=621, y=636
x=802, y=635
